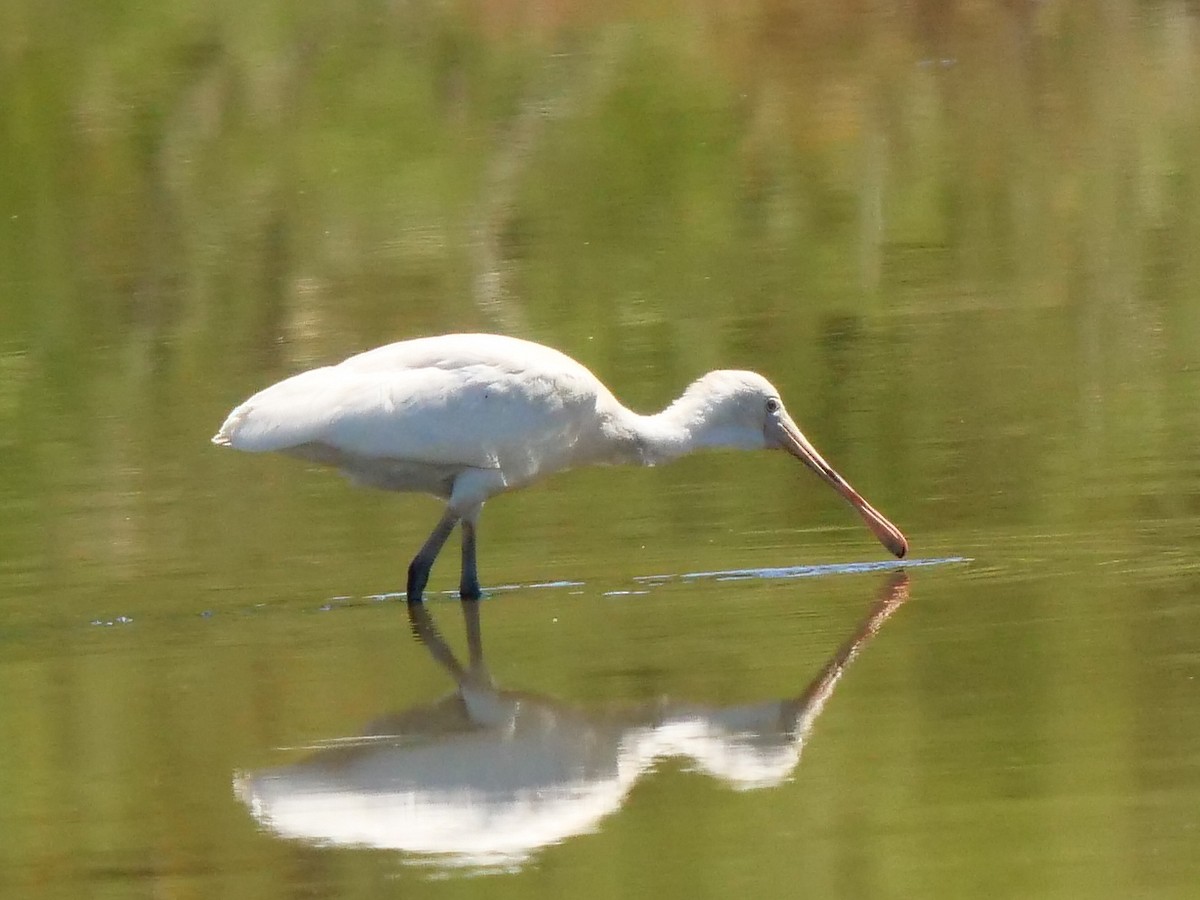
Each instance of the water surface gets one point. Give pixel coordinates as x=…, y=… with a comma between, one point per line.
x=961, y=242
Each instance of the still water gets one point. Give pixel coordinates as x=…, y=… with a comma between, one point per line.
x=961, y=239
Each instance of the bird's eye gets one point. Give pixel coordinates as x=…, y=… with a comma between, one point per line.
x=772, y=405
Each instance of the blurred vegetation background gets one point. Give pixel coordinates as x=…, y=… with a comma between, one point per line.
x=960, y=235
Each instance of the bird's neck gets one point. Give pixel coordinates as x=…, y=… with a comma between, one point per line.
x=683, y=427
x=657, y=439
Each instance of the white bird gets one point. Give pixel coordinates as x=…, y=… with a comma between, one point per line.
x=468, y=416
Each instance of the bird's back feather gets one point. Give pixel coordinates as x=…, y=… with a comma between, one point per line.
x=481, y=401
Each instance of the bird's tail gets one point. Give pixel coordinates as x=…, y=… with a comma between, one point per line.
x=292, y=412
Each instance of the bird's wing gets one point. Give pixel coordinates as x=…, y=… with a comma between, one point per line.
x=456, y=351
x=472, y=415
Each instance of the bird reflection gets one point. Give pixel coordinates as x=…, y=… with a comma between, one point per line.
x=485, y=777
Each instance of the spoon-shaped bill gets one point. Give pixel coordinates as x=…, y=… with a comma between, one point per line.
x=792, y=440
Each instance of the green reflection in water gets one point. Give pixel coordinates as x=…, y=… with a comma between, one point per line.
x=960, y=240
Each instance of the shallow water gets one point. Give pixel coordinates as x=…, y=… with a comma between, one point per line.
x=961, y=244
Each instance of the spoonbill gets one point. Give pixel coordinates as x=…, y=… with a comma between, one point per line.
x=468, y=416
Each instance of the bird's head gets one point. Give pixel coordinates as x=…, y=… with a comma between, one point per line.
x=744, y=410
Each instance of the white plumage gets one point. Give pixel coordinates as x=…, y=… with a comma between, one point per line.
x=468, y=416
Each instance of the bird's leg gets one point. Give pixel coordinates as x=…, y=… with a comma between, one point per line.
x=468, y=585
x=418, y=569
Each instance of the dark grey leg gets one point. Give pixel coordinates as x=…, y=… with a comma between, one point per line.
x=468, y=585
x=418, y=569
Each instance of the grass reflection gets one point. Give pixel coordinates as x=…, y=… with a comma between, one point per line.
x=961, y=235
